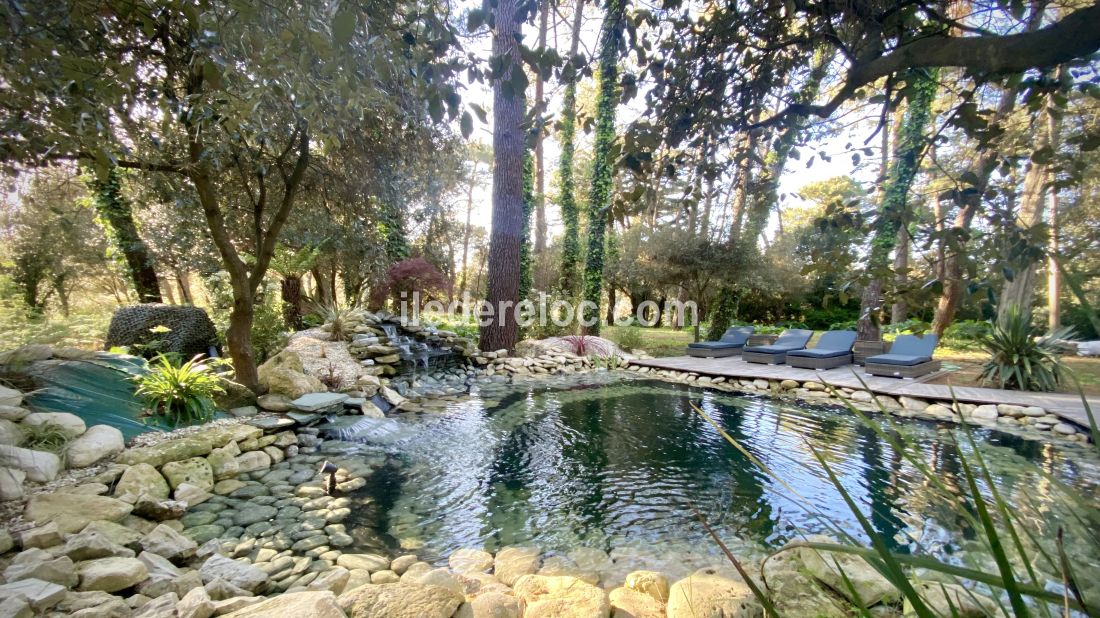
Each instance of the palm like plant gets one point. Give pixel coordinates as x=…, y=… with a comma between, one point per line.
x=182, y=394
x=1021, y=358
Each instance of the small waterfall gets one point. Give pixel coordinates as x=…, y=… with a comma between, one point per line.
x=345, y=427
x=390, y=330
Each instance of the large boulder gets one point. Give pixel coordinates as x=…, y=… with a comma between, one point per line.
x=470, y=561
x=400, y=600
x=706, y=594
x=111, y=574
x=72, y=512
x=195, y=471
x=40, y=564
x=141, y=480
x=11, y=483
x=165, y=541
x=240, y=574
x=319, y=604
x=568, y=597
x=952, y=600
x=90, y=544
x=514, y=562
x=868, y=583
x=10, y=397
x=40, y=595
x=39, y=466
x=651, y=583
x=71, y=424
x=190, y=330
x=284, y=374
x=98, y=443
x=169, y=450
x=10, y=433
x=629, y=603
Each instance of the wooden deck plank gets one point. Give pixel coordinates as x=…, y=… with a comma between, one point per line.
x=1066, y=407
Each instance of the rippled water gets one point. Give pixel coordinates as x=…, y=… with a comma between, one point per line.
x=615, y=463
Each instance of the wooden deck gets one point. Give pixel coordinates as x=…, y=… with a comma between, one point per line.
x=1066, y=407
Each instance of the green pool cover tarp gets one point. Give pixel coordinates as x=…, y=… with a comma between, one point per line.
x=99, y=390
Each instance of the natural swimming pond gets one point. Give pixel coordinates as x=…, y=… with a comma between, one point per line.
x=614, y=462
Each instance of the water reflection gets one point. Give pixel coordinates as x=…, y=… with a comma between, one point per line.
x=615, y=465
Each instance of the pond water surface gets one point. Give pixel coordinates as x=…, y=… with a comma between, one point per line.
x=616, y=463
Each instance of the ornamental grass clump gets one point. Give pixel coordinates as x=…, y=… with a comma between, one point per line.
x=1021, y=357
x=1028, y=573
x=180, y=394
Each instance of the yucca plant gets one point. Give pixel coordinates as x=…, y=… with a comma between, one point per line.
x=1021, y=357
x=181, y=394
x=339, y=319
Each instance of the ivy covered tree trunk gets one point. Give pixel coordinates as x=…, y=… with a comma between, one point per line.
x=506, y=240
x=895, y=199
x=117, y=218
x=529, y=197
x=539, y=190
x=603, y=168
x=570, y=243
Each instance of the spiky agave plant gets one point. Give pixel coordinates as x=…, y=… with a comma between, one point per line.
x=181, y=394
x=339, y=319
x=1021, y=357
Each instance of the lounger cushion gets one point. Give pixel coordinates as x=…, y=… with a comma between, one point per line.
x=912, y=345
x=819, y=353
x=773, y=349
x=714, y=345
x=897, y=359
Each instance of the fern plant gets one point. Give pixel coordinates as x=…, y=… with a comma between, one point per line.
x=1021, y=357
x=181, y=394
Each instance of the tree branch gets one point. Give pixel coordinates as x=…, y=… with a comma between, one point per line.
x=1074, y=36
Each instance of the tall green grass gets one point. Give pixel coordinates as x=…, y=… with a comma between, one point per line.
x=1020, y=553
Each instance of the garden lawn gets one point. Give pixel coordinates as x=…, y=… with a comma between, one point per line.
x=963, y=365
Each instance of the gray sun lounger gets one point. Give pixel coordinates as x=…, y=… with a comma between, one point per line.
x=910, y=356
x=834, y=349
x=730, y=344
x=776, y=353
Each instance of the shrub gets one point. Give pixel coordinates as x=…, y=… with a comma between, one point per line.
x=628, y=337
x=912, y=326
x=181, y=394
x=268, y=332
x=1020, y=358
x=967, y=333
x=583, y=345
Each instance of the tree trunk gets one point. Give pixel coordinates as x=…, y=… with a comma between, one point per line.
x=899, y=311
x=239, y=339
x=869, y=327
x=291, y=292
x=1054, y=273
x=183, y=282
x=603, y=171
x=893, y=211
x=501, y=330
x=540, y=163
x=1017, y=293
x=612, y=298
x=466, y=230
x=571, y=247
x=969, y=201
x=118, y=218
